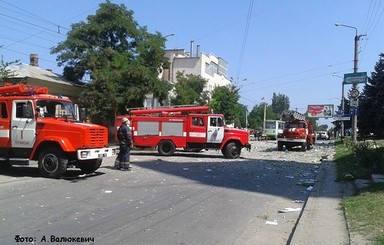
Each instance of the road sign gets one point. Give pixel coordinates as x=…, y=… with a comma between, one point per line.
x=357, y=77
x=354, y=102
x=341, y=117
x=354, y=93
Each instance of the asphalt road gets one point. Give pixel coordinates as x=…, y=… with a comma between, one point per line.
x=190, y=198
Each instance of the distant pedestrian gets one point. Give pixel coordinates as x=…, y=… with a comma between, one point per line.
x=125, y=141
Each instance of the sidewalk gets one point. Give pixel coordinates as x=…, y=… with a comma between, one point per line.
x=322, y=220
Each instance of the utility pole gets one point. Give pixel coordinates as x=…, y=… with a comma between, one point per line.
x=342, y=105
x=355, y=70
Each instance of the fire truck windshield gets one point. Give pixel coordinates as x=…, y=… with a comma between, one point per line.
x=55, y=108
x=295, y=125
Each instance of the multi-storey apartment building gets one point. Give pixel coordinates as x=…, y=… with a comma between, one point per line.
x=208, y=66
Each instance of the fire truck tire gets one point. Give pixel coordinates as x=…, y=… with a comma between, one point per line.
x=166, y=148
x=90, y=166
x=5, y=164
x=52, y=163
x=232, y=151
x=304, y=146
x=279, y=145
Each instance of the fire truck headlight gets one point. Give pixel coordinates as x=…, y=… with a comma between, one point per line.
x=85, y=154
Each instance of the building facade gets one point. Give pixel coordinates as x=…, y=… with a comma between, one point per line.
x=210, y=67
x=32, y=74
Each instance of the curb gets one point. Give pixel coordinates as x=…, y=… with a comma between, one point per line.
x=322, y=220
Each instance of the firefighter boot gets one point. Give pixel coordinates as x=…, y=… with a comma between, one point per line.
x=126, y=166
x=117, y=164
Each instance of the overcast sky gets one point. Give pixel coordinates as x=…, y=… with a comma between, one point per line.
x=287, y=47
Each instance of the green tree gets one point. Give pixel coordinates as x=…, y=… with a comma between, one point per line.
x=225, y=100
x=371, y=111
x=5, y=72
x=189, y=90
x=323, y=127
x=121, y=60
x=280, y=103
x=241, y=116
x=256, y=115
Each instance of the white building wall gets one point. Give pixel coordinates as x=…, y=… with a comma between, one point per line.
x=209, y=71
x=187, y=66
x=206, y=66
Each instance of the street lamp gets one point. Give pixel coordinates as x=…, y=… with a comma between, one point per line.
x=265, y=113
x=355, y=69
x=342, y=104
x=246, y=118
x=169, y=35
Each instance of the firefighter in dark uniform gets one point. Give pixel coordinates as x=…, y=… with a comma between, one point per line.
x=125, y=141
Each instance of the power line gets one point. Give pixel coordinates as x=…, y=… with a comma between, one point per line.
x=40, y=58
x=297, y=73
x=31, y=15
x=245, y=37
x=27, y=22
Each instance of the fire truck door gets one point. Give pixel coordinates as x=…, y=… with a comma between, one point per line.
x=197, y=132
x=23, y=124
x=215, y=129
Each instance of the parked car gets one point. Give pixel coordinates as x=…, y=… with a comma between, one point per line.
x=322, y=135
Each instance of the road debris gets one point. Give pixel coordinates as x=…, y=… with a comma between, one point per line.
x=274, y=222
x=288, y=210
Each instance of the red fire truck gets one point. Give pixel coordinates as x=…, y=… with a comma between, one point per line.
x=37, y=126
x=297, y=132
x=192, y=128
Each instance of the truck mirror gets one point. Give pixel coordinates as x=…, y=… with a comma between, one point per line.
x=82, y=114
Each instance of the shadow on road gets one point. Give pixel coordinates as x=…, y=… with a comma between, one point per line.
x=72, y=174
x=278, y=178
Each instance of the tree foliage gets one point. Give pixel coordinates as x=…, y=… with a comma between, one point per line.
x=189, y=90
x=121, y=59
x=5, y=72
x=225, y=100
x=371, y=113
x=280, y=103
x=256, y=115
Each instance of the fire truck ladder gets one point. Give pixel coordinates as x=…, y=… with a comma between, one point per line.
x=9, y=89
x=292, y=115
x=170, y=110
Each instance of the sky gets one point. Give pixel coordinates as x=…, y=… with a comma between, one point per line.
x=291, y=47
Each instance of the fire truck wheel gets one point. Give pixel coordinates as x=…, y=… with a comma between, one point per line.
x=52, y=163
x=303, y=146
x=166, y=148
x=279, y=145
x=90, y=166
x=5, y=164
x=232, y=151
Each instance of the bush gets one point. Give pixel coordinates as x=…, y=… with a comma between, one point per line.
x=359, y=160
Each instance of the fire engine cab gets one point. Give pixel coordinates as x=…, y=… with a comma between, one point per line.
x=46, y=128
x=192, y=128
x=297, y=132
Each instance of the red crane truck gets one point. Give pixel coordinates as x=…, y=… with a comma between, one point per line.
x=192, y=128
x=297, y=132
x=35, y=125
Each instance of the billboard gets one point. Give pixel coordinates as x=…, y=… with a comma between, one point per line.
x=320, y=111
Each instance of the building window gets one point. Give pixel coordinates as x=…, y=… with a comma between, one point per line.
x=208, y=69
x=214, y=67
